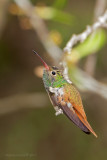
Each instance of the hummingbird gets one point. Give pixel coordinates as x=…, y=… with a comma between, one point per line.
x=64, y=97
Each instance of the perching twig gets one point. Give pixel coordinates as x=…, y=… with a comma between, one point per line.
x=101, y=22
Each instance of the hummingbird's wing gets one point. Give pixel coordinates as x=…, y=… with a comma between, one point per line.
x=68, y=112
x=72, y=97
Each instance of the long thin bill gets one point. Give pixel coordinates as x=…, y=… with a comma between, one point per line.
x=44, y=63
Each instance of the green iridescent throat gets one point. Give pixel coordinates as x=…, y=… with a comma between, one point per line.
x=59, y=83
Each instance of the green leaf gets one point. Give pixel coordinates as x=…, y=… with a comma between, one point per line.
x=63, y=17
x=49, y=13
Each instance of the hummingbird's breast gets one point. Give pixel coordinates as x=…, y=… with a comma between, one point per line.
x=61, y=96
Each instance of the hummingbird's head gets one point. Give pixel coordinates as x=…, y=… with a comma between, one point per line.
x=52, y=76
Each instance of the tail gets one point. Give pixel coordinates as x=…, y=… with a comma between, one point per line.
x=85, y=122
x=74, y=118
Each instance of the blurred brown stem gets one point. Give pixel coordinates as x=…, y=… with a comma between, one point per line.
x=3, y=11
x=87, y=83
x=39, y=26
x=17, y=102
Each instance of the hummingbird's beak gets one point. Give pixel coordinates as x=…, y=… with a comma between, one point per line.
x=44, y=63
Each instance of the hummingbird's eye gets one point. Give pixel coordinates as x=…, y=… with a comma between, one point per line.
x=53, y=73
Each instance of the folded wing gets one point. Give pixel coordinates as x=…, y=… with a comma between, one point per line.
x=68, y=112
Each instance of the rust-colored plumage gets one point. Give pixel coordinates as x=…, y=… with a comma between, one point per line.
x=71, y=95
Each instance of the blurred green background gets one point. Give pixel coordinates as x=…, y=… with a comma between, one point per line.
x=28, y=126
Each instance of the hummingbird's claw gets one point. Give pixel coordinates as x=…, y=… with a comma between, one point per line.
x=58, y=112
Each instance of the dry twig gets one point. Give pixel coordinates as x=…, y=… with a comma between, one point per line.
x=101, y=22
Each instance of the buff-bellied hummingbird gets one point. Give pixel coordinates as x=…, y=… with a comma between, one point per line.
x=65, y=97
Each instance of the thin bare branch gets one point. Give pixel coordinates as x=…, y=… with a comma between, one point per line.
x=101, y=22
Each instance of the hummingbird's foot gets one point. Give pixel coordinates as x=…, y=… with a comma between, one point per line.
x=58, y=112
x=53, y=90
